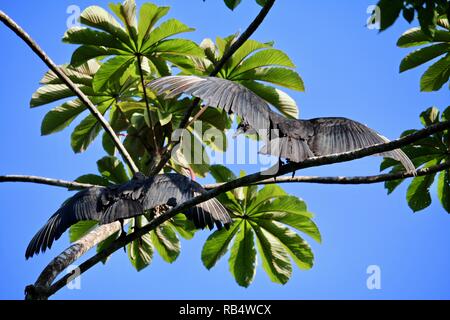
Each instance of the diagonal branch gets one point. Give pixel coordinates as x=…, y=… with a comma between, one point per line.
x=44, y=290
x=49, y=62
x=227, y=55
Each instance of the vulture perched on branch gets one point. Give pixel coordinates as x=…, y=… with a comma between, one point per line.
x=128, y=200
x=291, y=139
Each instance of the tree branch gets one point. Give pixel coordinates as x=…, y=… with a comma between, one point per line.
x=227, y=55
x=48, y=181
x=64, y=78
x=347, y=180
x=147, y=105
x=43, y=291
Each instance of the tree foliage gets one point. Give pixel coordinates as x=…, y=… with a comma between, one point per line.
x=426, y=153
x=118, y=52
x=265, y=221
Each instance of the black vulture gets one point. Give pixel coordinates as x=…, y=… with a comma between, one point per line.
x=293, y=139
x=128, y=200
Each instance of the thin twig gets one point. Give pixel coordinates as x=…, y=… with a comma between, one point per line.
x=147, y=105
x=72, y=86
x=341, y=180
x=246, y=180
x=347, y=180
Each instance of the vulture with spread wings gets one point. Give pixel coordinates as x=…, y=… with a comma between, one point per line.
x=128, y=200
x=291, y=139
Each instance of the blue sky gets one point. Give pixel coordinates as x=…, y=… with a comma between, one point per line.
x=348, y=71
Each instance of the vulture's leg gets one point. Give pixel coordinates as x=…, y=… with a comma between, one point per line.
x=137, y=228
x=123, y=234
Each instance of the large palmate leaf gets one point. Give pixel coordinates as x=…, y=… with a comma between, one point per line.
x=53, y=90
x=438, y=73
x=129, y=39
x=268, y=216
x=425, y=153
x=256, y=65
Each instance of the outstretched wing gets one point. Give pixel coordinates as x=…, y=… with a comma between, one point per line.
x=84, y=205
x=293, y=149
x=218, y=93
x=173, y=189
x=337, y=135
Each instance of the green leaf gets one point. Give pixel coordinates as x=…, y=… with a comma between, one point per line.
x=181, y=47
x=279, y=99
x=81, y=74
x=93, y=179
x=149, y=15
x=390, y=11
x=217, y=245
x=222, y=173
x=418, y=194
x=420, y=56
x=54, y=92
x=99, y=18
x=166, y=242
x=264, y=58
x=436, y=75
x=111, y=70
x=284, y=210
x=298, y=248
x=232, y=4
x=275, y=259
x=60, y=117
x=249, y=47
x=183, y=226
x=390, y=186
x=443, y=189
x=429, y=116
x=86, y=131
x=87, y=36
x=86, y=53
x=140, y=251
x=127, y=13
x=262, y=3
x=270, y=191
x=217, y=118
x=416, y=37
x=108, y=144
x=80, y=229
x=113, y=169
x=279, y=76
x=242, y=261
x=167, y=29
x=106, y=243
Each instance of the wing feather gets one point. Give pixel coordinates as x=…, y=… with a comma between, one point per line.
x=82, y=206
x=174, y=189
x=218, y=93
x=337, y=135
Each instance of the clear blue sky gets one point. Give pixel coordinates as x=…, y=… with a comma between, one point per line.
x=348, y=70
